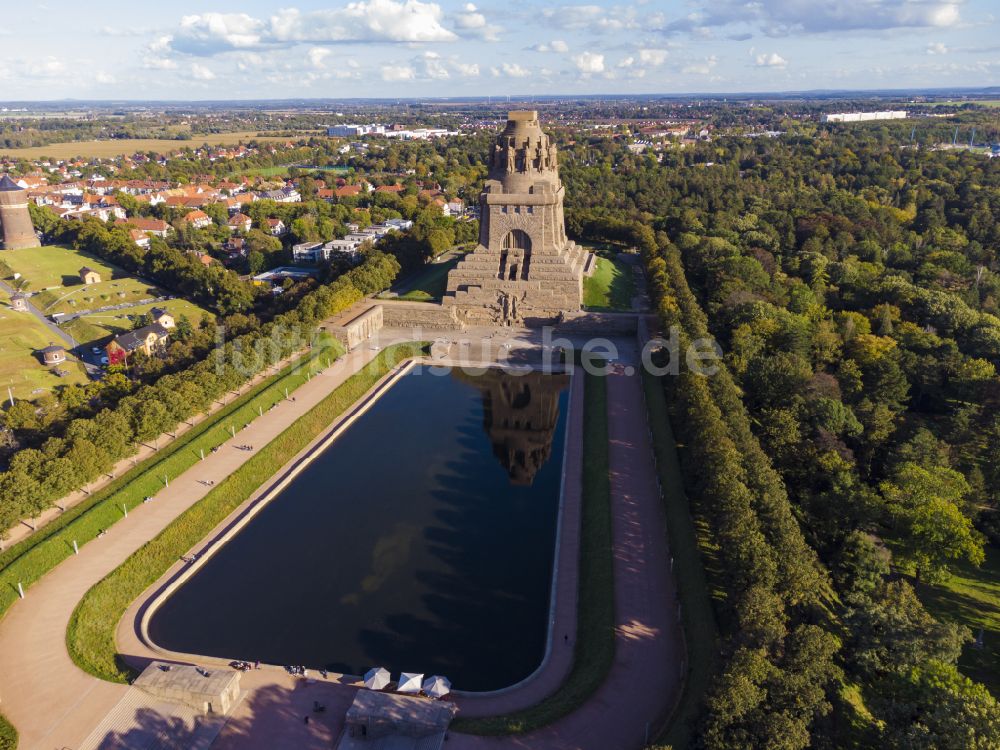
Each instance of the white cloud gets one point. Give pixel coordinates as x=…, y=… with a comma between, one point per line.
x=467, y=70
x=511, y=70
x=556, y=45
x=654, y=57
x=626, y=62
x=398, y=73
x=317, y=57
x=702, y=68
x=937, y=48
x=201, y=73
x=105, y=78
x=783, y=17
x=364, y=20
x=206, y=34
x=773, y=60
x=45, y=67
x=593, y=18
x=589, y=62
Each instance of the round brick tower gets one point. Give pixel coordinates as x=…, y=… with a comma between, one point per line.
x=15, y=221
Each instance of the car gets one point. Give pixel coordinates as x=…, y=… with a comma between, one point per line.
x=104, y=360
x=95, y=349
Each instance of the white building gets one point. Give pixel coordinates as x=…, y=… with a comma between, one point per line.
x=896, y=114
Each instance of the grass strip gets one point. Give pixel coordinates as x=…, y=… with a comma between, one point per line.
x=698, y=618
x=595, y=640
x=30, y=559
x=90, y=637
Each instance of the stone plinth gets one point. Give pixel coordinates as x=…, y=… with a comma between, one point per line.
x=207, y=690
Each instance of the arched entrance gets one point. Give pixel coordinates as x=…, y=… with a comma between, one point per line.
x=515, y=256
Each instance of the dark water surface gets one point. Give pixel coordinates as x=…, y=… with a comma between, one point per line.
x=420, y=540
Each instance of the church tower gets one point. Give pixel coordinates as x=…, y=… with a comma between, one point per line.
x=15, y=221
x=524, y=270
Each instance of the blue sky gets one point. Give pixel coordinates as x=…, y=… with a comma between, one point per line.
x=234, y=50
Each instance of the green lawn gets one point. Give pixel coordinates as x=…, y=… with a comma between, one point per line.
x=96, y=326
x=21, y=336
x=971, y=596
x=429, y=283
x=52, y=273
x=90, y=637
x=594, y=650
x=54, y=265
x=610, y=287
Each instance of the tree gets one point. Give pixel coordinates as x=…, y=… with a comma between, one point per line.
x=933, y=706
x=926, y=508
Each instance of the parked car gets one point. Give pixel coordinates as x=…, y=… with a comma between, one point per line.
x=104, y=360
x=95, y=350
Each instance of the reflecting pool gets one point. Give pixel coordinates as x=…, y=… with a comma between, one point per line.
x=420, y=540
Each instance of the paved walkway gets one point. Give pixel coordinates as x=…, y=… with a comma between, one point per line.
x=51, y=702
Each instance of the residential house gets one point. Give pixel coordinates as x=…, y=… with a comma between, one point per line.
x=140, y=238
x=198, y=219
x=148, y=339
x=276, y=227
x=240, y=223
x=161, y=316
x=153, y=227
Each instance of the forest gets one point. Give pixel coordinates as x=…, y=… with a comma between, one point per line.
x=843, y=463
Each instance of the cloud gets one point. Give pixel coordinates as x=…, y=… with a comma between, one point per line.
x=317, y=57
x=104, y=78
x=589, y=62
x=596, y=19
x=45, y=67
x=473, y=23
x=511, y=70
x=937, y=48
x=201, y=73
x=702, y=68
x=556, y=45
x=398, y=73
x=654, y=57
x=774, y=60
x=784, y=17
x=206, y=34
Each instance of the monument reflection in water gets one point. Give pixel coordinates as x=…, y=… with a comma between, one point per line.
x=421, y=540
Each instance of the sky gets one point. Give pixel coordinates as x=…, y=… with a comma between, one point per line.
x=216, y=49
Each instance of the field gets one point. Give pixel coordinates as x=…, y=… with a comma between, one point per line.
x=89, y=328
x=108, y=149
x=611, y=286
x=52, y=275
x=21, y=335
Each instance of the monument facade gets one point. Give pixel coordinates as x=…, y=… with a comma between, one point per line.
x=15, y=221
x=524, y=269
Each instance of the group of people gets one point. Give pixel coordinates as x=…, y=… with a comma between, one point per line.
x=245, y=447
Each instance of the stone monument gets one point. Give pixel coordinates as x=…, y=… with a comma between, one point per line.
x=524, y=270
x=15, y=221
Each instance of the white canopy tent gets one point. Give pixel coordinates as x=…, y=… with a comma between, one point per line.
x=437, y=686
x=409, y=682
x=377, y=678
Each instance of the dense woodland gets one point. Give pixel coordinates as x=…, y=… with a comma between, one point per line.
x=849, y=445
